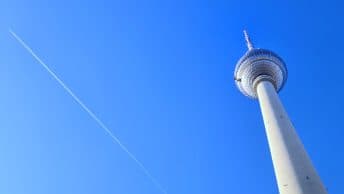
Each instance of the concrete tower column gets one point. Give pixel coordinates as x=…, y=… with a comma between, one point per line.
x=293, y=168
x=261, y=74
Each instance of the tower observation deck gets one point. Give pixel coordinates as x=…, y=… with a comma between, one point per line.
x=261, y=74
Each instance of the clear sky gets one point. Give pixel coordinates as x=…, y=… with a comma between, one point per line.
x=160, y=75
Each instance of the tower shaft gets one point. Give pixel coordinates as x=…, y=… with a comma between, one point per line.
x=294, y=171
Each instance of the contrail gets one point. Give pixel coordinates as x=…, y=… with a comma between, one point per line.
x=90, y=113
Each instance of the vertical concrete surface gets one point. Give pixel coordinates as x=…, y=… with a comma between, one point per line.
x=294, y=171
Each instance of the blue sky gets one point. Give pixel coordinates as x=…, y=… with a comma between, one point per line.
x=160, y=75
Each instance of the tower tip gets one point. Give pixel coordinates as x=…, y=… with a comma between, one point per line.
x=248, y=40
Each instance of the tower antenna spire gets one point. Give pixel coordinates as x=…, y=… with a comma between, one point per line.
x=248, y=40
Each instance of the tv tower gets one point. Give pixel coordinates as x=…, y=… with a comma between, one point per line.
x=261, y=74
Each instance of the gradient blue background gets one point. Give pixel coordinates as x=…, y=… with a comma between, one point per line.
x=160, y=75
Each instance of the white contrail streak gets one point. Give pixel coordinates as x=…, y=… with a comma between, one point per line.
x=92, y=115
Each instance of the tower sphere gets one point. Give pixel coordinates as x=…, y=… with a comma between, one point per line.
x=257, y=65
